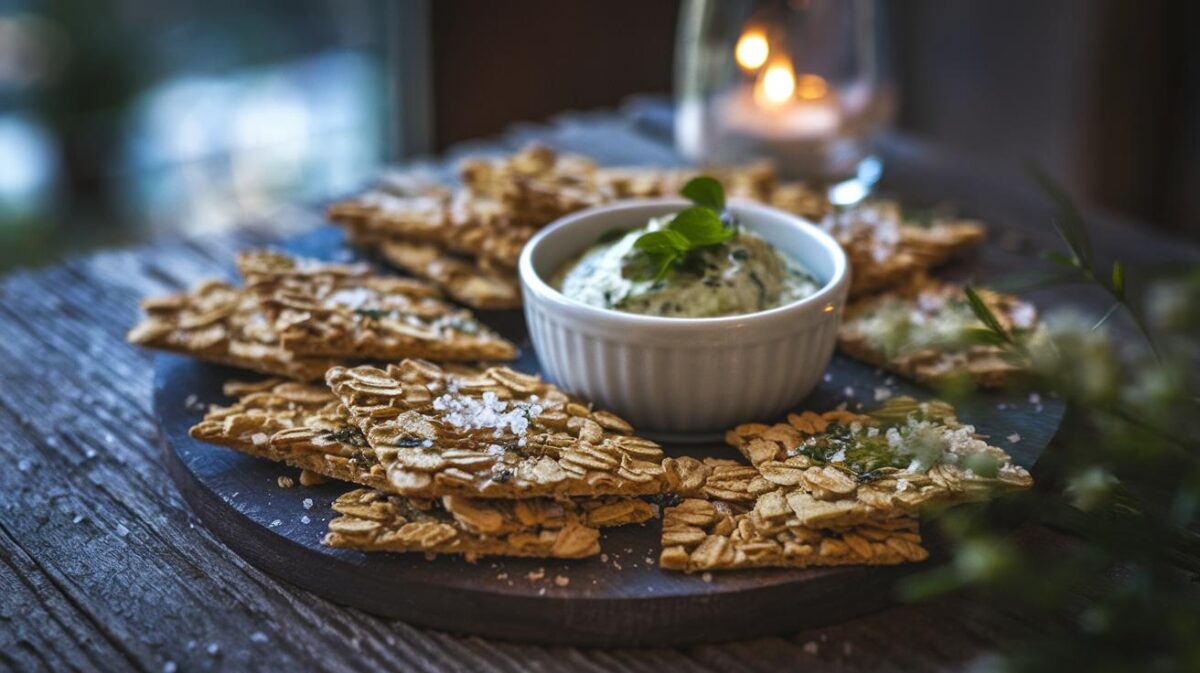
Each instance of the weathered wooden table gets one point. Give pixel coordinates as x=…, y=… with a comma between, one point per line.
x=103, y=567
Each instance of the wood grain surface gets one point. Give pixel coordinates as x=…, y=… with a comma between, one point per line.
x=102, y=566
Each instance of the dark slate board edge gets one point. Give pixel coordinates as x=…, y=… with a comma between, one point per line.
x=264, y=547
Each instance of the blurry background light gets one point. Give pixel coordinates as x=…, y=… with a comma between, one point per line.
x=125, y=118
x=27, y=166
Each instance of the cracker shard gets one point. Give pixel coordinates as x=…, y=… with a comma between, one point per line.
x=737, y=519
x=307, y=427
x=916, y=331
x=373, y=521
x=493, y=433
x=461, y=279
x=848, y=469
x=885, y=247
x=221, y=323
x=294, y=423
x=297, y=318
x=344, y=311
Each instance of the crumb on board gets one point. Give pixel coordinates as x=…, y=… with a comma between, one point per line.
x=308, y=478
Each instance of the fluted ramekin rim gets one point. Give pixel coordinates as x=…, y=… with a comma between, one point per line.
x=828, y=298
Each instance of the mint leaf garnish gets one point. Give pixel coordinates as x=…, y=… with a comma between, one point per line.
x=705, y=191
x=665, y=242
x=664, y=248
x=697, y=227
x=700, y=226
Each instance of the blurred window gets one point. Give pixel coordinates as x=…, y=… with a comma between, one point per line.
x=125, y=118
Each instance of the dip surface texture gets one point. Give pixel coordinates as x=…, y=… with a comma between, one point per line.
x=742, y=275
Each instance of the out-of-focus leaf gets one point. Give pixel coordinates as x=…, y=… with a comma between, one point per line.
x=978, y=335
x=985, y=315
x=1059, y=258
x=1068, y=220
x=1118, y=278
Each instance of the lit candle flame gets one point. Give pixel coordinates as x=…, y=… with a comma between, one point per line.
x=776, y=84
x=752, y=49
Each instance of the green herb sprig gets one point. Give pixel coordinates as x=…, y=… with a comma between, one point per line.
x=1120, y=485
x=692, y=229
x=1078, y=267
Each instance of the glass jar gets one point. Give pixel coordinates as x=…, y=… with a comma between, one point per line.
x=800, y=82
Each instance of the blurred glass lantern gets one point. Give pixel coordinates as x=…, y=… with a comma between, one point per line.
x=800, y=82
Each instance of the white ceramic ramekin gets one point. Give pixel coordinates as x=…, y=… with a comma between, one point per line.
x=684, y=376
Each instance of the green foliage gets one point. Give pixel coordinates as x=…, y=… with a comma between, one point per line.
x=1122, y=482
x=1069, y=223
x=985, y=315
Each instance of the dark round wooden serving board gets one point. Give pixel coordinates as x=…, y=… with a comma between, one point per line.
x=620, y=598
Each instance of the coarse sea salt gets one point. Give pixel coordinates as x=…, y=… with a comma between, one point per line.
x=488, y=412
x=1023, y=315
x=352, y=298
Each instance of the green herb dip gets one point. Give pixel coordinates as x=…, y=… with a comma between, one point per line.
x=744, y=274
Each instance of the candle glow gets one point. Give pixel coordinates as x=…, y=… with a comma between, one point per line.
x=776, y=84
x=811, y=87
x=752, y=49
